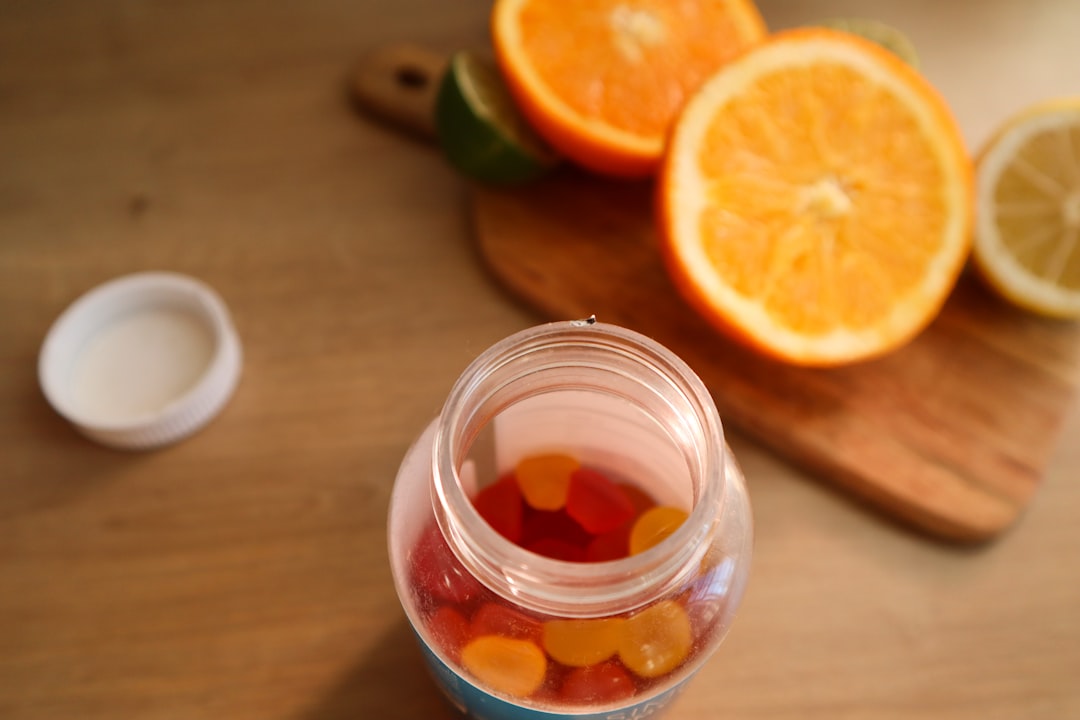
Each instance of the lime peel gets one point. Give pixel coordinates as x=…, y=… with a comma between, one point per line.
x=887, y=36
x=480, y=129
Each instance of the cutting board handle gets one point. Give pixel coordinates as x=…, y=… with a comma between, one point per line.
x=398, y=84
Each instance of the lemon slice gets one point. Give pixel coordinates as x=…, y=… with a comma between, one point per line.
x=881, y=33
x=480, y=129
x=1027, y=224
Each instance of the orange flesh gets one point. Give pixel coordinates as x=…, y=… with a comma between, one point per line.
x=841, y=198
x=642, y=60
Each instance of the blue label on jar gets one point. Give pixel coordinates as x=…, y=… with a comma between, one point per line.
x=477, y=704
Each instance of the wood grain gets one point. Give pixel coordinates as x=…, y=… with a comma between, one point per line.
x=242, y=574
x=951, y=433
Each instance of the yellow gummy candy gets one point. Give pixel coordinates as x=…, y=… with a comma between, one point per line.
x=506, y=665
x=544, y=480
x=656, y=640
x=653, y=526
x=579, y=643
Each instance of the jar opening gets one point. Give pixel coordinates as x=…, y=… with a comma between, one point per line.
x=617, y=401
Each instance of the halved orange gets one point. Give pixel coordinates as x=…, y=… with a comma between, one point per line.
x=816, y=199
x=602, y=80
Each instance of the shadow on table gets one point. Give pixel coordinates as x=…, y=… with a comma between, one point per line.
x=53, y=465
x=390, y=682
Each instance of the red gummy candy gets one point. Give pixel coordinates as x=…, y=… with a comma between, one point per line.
x=596, y=503
x=613, y=545
x=500, y=504
x=557, y=549
x=640, y=499
x=450, y=630
x=601, y=683
x=553, y=524
x=495, y=619
x=437, y=574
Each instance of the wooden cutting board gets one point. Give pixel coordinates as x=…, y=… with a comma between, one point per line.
x=950, y=434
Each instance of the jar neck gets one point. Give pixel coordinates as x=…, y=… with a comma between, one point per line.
x=583, y=358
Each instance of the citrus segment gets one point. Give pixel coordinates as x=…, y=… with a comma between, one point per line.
x=480, y=129
x=1027, y=232
x=816, y=199
x=603, y=80
x=513, y=667
x=656, y=640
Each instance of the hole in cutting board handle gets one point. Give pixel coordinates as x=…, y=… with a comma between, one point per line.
x=398, y=83
x=412, y=77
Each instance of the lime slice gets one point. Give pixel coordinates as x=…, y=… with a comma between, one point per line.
x=480, y=129
x=884, y=35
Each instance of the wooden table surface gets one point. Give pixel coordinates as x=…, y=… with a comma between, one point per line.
x=243, y=573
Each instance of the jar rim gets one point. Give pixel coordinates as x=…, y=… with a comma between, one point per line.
x=546, y=585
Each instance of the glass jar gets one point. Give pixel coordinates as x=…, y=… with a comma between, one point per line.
x=511, y=634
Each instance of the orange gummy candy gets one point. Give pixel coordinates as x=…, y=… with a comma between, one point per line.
x=509, y=666
x=544, y=480
x=653, y=526
x=578, y=643
x=656, y=640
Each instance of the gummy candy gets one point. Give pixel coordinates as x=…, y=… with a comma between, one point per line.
x=557, y=549
x=435, y=569
x=610, y=546
x=578, y=643
x=496, y=619
x=553, y=506
x=507, y=665
x=640, y=499
x=653, y=526
x=545, y=479
x=501, y=506
x=554, y=534
x=656, y=640
x=603, y=683
x=450, y=630
x=596, y=503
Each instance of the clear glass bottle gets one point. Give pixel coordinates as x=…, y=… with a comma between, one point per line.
x=637, y=627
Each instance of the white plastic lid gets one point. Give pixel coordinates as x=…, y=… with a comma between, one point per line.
x=141, y=361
